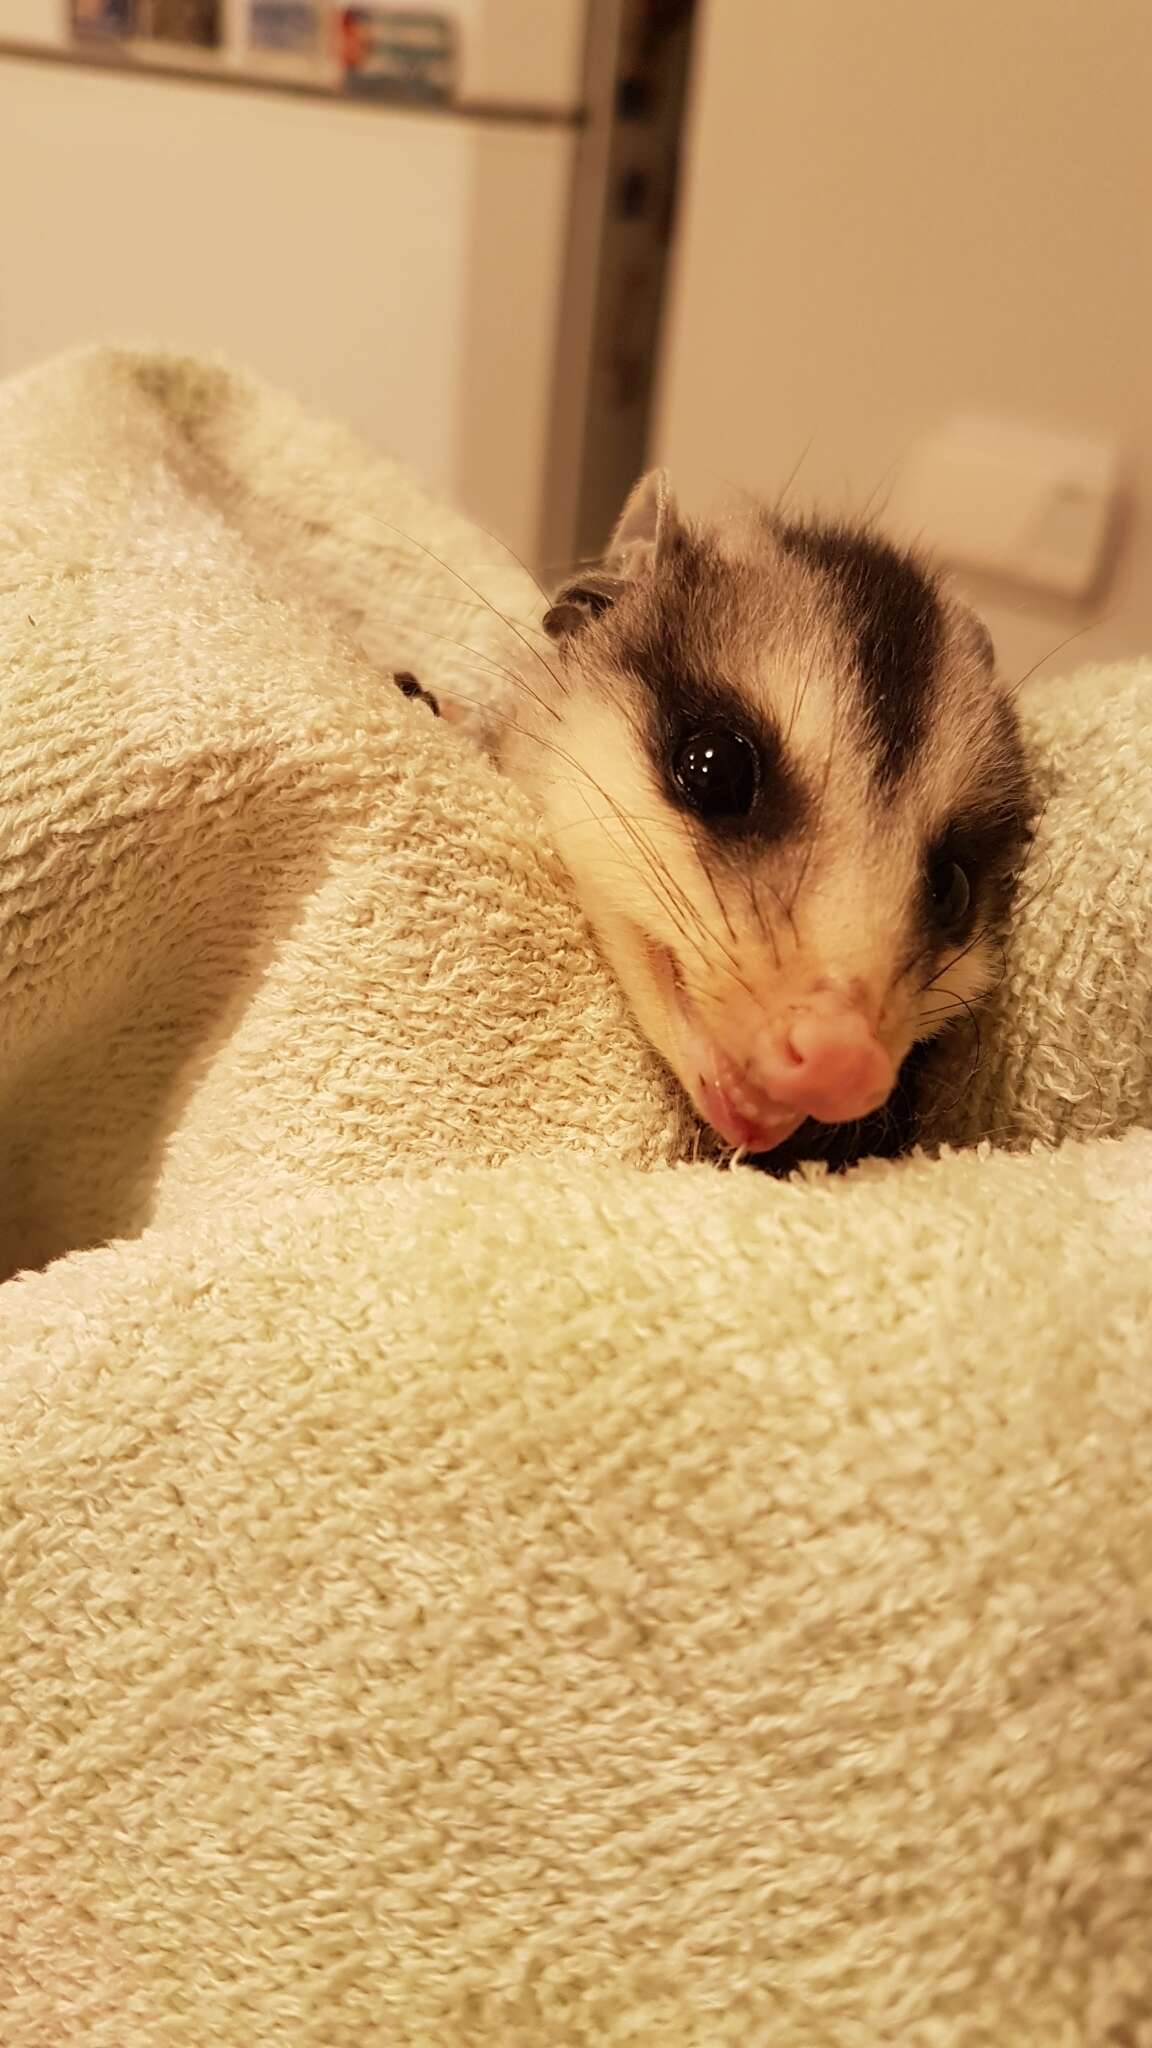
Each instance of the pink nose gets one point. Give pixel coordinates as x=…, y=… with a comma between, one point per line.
x=829, y=1064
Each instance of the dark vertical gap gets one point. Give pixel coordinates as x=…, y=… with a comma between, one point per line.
x=621, y=224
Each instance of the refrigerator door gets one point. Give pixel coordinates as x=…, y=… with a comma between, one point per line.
x=401, y=270
x=473, y=286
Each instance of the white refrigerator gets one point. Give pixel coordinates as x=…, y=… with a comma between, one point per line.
x=471, y=279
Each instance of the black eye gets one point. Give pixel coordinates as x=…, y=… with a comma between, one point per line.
x=951, y=893
x=717, y=772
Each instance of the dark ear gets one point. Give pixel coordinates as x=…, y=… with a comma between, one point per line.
x=633, y=552
x=581, y=601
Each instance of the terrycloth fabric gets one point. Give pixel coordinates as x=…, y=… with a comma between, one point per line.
x=520, y=1635
x=1066, y=1047
x=469, y=1582
x=262, y=920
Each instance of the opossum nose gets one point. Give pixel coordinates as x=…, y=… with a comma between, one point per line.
x=828, y=1063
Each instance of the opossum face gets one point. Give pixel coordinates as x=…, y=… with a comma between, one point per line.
x=791, y=795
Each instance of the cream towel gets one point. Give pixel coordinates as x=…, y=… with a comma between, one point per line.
x=1067, y=1046
x=458, y=1593
x=263, y=920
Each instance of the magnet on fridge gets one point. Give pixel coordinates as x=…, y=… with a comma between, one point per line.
x=194, y=22
x=289, y=27
x=398, y=54
x=101, y=20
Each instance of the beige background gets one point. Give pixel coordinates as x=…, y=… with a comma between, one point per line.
x=894, y=211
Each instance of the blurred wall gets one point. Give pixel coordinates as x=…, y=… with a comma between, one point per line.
x=892, y=211
x=397, y=270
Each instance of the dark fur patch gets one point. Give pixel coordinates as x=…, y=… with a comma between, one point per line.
x=579, y=604
x=990, y=833
x=989, y=845
x=670, y=644
x=890, y=607
x=782, y=801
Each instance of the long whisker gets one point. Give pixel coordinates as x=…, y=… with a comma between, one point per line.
x=675, y=899
x=782, y=495
x=671, y=893
x=668, y=890
x=676, y=889
x=945, y=1109
x=870, y=510
x=822, y=799
x=798, y=699
x=697, y=838
x=954, y=960
x=501, y=668
x=639, y=818
x=1009, y=1132
x=787, y=910
x=449, y=570
x=1050, y=655
x=659, y=878
x=1024, y=901
x=764, y=923
x=499, y=542
x=464, y=604
x=655, y=870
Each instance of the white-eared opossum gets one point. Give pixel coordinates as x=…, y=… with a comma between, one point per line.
x=790, y=791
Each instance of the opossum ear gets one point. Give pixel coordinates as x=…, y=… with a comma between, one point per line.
x=581, y=601
x=641, y=533
x=644, y=526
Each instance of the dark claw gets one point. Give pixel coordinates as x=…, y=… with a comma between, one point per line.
x=408, y=683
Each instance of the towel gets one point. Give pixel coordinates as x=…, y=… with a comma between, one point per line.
x=474, y=1574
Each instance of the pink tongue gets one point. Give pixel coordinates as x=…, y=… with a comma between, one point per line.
x=737, y=1127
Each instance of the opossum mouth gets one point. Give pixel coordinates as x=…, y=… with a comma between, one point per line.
x=740, y=1113
x=721, y=1090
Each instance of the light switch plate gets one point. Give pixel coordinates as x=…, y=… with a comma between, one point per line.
x=1006, y=499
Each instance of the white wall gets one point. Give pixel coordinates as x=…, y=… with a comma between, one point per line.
x=398, y=271
x=897, y=209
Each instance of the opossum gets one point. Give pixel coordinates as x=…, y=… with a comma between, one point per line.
x=778, y=763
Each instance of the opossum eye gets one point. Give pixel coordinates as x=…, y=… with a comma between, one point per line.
x=951, y=892
x=717, y=772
